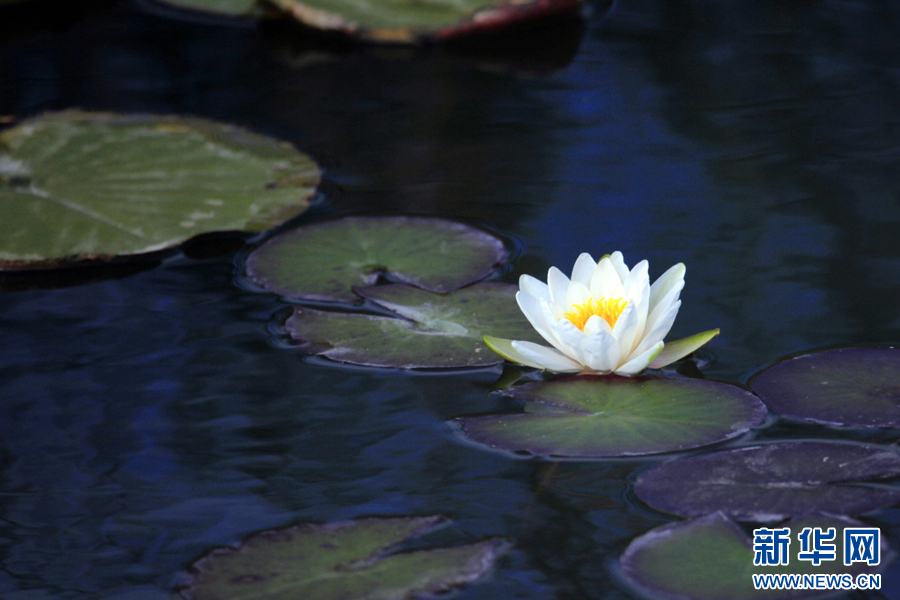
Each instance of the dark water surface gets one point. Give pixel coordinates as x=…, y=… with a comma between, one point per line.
x=147, y=419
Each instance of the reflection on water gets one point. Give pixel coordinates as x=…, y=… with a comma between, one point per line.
x=148, y=418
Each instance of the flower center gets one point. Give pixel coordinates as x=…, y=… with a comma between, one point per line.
x=607, y=309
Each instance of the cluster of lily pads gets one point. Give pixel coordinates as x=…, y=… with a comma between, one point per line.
x=412, y=293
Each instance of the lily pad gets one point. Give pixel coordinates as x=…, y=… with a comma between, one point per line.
x=346, y=561
x=80, y=186
x=230, y=8
x=438, y=330
x=325, y=261
x=594, y=417
x=711, y=558
x=859, y=387
x=413, y=21
x=773, y=481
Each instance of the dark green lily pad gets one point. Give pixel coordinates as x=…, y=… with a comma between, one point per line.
x=593, y=417
x=774, y=481
x=347, y=561
x=712, y=559
x=438, y=330
x=230, y=8
x=80, y=186
x=859, y=387
x=412, y=21
x=325, y=261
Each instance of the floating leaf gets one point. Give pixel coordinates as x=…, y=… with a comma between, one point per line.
x=439, y=330
x=412, y=21
x=773, y=481
x=859, y=387
x=77, y=186
x=231, y=8
x=346, y=561
x=712, y=559
x=325, y=261
x=592, y=417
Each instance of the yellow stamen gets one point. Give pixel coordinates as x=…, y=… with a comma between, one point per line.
x=608, y=309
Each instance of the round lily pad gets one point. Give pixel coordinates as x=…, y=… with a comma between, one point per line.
x=411, y=21
x=80, y=186
x=437, y=330
x=593, y=417
x=773, y=481
x=859, y=387
x=352, y=560
x=711, y=558
x=230, y=8
x=325, y=261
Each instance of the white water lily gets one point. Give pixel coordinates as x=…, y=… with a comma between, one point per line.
x=605, y=319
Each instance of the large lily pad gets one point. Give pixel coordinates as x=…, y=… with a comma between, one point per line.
x=859, y=387
x=325, y=261
x=773, y=481
x=593, y=417
x=76, y=186
x=411, y=21
x=712, y=559
x=438, y=330
x=346, y=561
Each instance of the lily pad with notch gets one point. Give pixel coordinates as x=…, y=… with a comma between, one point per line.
x=856, y=387
x=351, y=560
x=325, y=261
x=604, y=416
x=774, y=481
x=415, y=21
x=434, y=331
x=77, y=186
x=711, y=558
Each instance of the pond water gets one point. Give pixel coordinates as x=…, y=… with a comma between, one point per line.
x=150, y=418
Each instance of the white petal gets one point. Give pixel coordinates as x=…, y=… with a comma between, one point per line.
x=636, y=365
x=618, y=262
x=665, y=283
x=637, y=290
x=559, y=285
x=535, y=287
x=583, y=269
x=595, y=324
x=601, y=352
x=663, y=306
x=571, y=336
x=548, y=358
x=537, y=314
x=661, y=330
x=625, y=330
x=605, y=282
x=577, y=294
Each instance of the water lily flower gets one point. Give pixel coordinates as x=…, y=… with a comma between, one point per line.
x=605, y=319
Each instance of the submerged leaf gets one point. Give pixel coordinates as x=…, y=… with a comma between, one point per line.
x=325, y=261
x=76, y=186
x=347, y=561
x=858, y=387
x=438, y=330
x=773, y=481
x=593, y=417
x=230, y=8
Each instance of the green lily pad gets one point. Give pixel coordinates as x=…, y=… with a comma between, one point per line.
x=412, y=21
x=347, y=561
x=711, y=558
x=438, y=330
x=594, y=416
x=231, y=8
x=859, y=387
x=80, y=186
x=773, y=481
x=325, y=261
